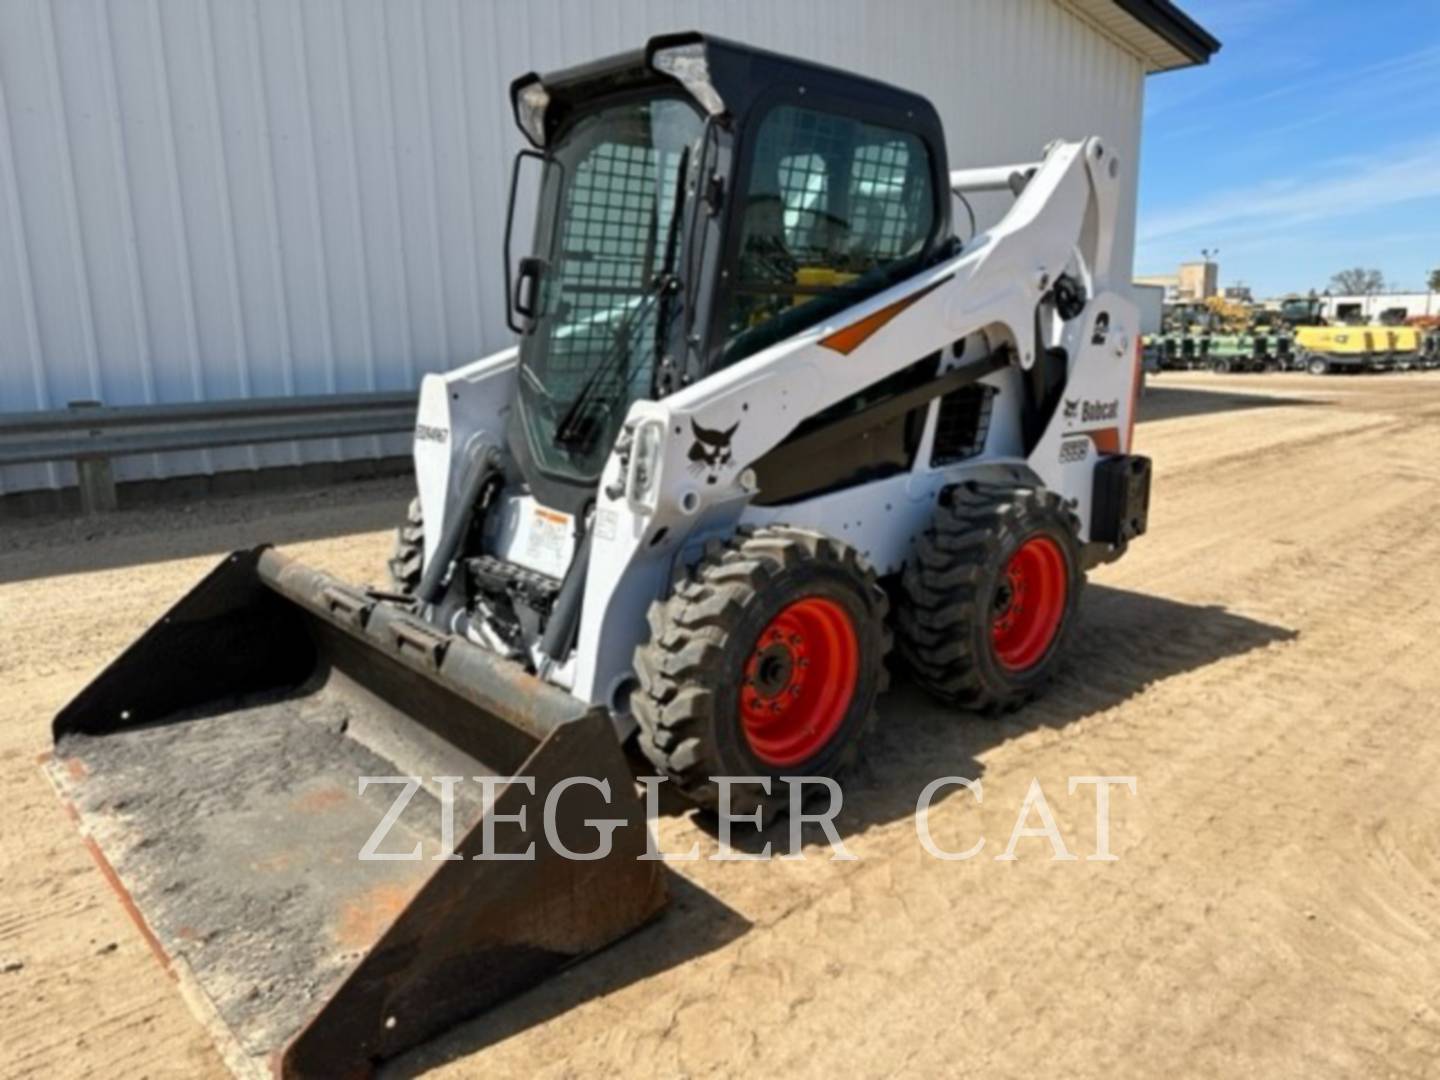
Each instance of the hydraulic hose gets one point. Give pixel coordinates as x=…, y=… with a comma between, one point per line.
x=485, y=464
x=565, y=615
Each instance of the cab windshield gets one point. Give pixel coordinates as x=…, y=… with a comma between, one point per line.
x=613, y=183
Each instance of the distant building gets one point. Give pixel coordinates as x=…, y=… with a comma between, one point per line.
x=1198, y=280
x=1169, y=282
x=1194, y=282
x=1239, y=293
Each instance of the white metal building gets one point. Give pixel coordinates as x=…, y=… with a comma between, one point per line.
x=203, y=199
x=1370, y=308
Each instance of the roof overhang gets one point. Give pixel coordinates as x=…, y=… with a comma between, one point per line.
x=1157, y=31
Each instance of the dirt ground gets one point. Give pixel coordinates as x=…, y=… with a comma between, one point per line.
x=1264, y=664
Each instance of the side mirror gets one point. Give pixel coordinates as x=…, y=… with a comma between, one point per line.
x=522, y=289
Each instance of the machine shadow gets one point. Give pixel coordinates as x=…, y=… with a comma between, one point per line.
x=1161, y=402
x=1125, y=642
x=695, y=923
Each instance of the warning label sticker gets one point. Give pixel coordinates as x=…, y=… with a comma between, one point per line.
x=547, y=541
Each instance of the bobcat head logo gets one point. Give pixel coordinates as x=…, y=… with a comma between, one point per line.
x=710, y=452
x=1071, y=408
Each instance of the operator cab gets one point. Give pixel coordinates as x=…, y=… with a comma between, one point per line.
x=698, y=201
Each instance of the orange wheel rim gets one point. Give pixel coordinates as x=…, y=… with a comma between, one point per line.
x=1029, y=604
x=799, y=681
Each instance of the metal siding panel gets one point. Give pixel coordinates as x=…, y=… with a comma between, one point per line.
x=262, y=312
x=283, y=75
x=22, y=381
x=130, y=274
x=269, y=197
x=89, y=376
x=354, y=215
x=496, y=140
x=455, y=180
x=170, y=288
x=37, y=135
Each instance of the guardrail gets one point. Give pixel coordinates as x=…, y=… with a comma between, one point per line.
x=91, y=434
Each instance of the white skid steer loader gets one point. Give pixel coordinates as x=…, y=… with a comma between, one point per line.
x=757, y=377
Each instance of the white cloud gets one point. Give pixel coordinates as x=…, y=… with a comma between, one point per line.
x=1373, y=76
x=1406, y=83
x=1333, y=189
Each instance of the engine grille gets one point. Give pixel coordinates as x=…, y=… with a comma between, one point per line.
x=963, y=424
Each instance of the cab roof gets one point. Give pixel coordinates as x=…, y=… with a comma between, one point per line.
x=725, y=77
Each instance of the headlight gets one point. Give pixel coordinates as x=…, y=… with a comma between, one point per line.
x=531, y=101
x=645, y=462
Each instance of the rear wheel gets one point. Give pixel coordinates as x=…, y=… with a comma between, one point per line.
x=1317, y=365
x=1220, y=366
x=407, y=557
x=765, y=661
x=990, y=598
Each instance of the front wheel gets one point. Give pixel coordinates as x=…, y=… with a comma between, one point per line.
x=406, y=563
x=765, y=661
x=990, y=598
x=1317, y=365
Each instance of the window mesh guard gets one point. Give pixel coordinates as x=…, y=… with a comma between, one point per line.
x=611, y=247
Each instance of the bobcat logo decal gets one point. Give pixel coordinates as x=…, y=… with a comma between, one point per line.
x=1071, y=408
x=710, y=452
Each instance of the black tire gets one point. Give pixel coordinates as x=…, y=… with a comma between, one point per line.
x=407, y=558
x=704, y=637
x=1220, y=366
x=1317, y=365
x=956, y=587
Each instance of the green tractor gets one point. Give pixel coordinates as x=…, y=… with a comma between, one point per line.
x=1244, y=352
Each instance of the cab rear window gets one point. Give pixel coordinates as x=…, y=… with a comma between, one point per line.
x=834, y=208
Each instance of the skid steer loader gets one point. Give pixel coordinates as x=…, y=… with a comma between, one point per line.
x=761, y=388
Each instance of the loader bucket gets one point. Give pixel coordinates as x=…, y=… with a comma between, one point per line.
x=214, y=771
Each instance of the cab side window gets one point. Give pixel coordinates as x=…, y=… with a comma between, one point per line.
x=834, y=209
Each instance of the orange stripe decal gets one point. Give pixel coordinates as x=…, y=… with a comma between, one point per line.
x=1135, y=384
x=850, y=338
x=1106, y=440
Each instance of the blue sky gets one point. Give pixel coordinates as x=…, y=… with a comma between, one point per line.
x=1309, y=144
